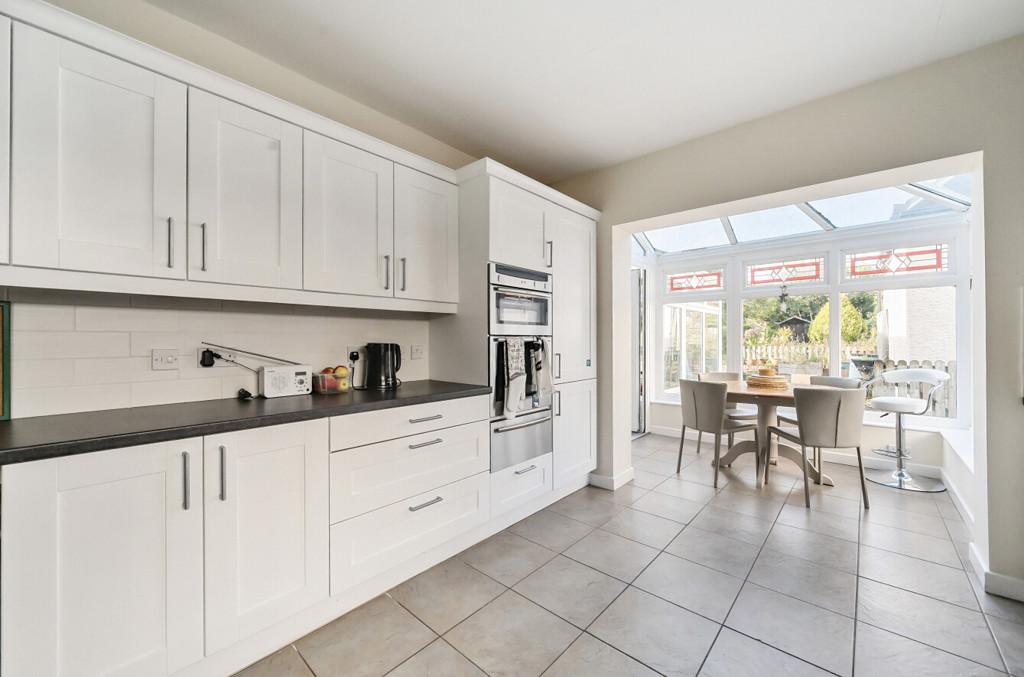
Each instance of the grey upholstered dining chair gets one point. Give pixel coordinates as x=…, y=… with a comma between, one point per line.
x=829, y=418
x=733, y=411
x=704, y=410
x=787, y=415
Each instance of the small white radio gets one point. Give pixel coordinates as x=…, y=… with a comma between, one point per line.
x=284, y=380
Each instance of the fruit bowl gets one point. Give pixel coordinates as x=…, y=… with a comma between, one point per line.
x=332, y=382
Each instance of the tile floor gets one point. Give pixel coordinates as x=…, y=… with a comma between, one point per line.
x=669, y=576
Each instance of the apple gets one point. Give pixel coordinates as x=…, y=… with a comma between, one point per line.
x=327, y=370
x=341, y=370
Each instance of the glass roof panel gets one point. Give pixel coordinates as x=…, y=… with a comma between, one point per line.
x=638, y=249
x=688, y=236
x=957, y=187
x=768, y=223
x=870, y=206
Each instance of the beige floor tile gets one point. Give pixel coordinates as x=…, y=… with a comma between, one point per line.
x=902, y=500
x=643, y=527
x=368, y=641
x=816, y=635
x=627, y=494
x=438, y=659
x=744, y=528
x=586, y=508
x=446, y=594
x=661, y=467
x=736, y=655
x=929, y=525
x=669, y=639
x=883, y=653
x=691, y=491
x=820, y=522
x=676, y=509
x=614, y=555
x=938, y=550
x=714, y=550
x=844, y=507
x=917, y=575
x=284, y=663
x=512, y=636
x=507, y=558
x=692, y=586
x=575, y=592
x=590, y=657
x=764, y=507
x=826, y=587
x=1010, y=638
x=929, y=621
x=551, y=529
x=828, y=551
x=646, y=480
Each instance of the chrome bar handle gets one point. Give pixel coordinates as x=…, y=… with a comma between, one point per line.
x=186, y=492
x=519, y=426
x=421, y=506
x=170, y=244
x=435, y=417
x=551, y=253
x=426, y=444
x=202, y=265
x=558, y=356
x=525, y=470
x=387, y=271
x=402, y=261
x=558, y=410
x=223, y=473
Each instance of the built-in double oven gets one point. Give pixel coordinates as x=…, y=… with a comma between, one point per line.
x=520, y=364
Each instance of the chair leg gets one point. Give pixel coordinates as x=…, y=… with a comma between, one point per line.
x=863, y=484
x=766, y=458
x=757, y=455
x=730, y=440
x=807, y=491
x=817, y=463
x=699, y=434
x=679, y=461
x=718, y=449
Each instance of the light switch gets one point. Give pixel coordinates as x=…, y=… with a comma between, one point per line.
x=415, y=352
x=165, y=359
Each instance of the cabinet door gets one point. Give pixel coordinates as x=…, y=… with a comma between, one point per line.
x=575, y=430
x=572, y=246
x=426, y=237
x=98, y=161
x=517, y=227
x=245, y=195
x=266, y=527
x=348, y=219
x=5, y=140
x=103, y=563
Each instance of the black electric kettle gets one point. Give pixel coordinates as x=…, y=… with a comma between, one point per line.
x=383, y=360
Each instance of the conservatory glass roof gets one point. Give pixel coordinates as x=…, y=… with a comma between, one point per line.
x=933, y=197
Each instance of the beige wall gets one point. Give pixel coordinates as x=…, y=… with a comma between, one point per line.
x=161, y=29
x=973, y=102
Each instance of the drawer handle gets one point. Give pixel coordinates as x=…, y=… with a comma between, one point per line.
x=517, y=426
x=526, y=470
x=186, y=493
x=426, y=418
x=426, y=444
x=421, y=506
x=223, y=473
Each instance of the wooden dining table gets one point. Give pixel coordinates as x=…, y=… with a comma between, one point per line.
x=767, y=401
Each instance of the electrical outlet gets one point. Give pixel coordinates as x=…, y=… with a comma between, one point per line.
x=415, y=352
x=225, y=354
x=165, y=359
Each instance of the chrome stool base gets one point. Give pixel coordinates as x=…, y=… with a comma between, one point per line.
x=901, y=479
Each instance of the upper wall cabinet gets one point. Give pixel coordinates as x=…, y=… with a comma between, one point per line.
x=97, y=159
x=5, y=139
x=571, y=242
x=426, y=237
x=517, y=227
x=348, y=224
x=245, y=195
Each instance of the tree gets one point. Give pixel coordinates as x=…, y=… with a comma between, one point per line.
x=853, y=324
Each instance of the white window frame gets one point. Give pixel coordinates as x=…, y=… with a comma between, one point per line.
x=833, y=246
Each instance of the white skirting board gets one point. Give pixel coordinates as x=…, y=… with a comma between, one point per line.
x=612, y=483
x=268, y=641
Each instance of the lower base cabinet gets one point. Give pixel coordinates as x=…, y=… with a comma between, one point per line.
x=575, y=430
x=102, y=569
x=520, y=483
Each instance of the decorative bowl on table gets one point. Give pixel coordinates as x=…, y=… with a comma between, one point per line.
x=773, y=381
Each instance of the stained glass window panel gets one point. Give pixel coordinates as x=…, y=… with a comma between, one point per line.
x=900, y=261
x=786, y=272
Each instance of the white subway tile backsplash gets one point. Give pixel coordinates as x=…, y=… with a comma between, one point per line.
x=100, y=346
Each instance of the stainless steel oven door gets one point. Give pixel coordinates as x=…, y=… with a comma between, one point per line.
x=520, y=439
x=517, y=312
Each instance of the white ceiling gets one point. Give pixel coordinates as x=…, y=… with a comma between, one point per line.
x=559, y=87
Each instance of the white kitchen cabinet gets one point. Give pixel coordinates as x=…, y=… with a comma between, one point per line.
x=102, y=569
x=519, y=484
x=5, y=140
x=97, y=161
x=244, y=195
x=426, y=237
x=575, y=431
x=571, y=240
x=517, y=226
x=348, y=219
x=266, y=519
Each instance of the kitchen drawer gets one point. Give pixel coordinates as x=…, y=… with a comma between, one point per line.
x=520, y=483
x=375, y=475
x=365, y=546
x=355, y=430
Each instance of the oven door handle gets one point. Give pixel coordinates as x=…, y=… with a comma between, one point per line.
x=519, y=426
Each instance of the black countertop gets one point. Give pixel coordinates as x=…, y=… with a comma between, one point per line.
x=39, y=437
